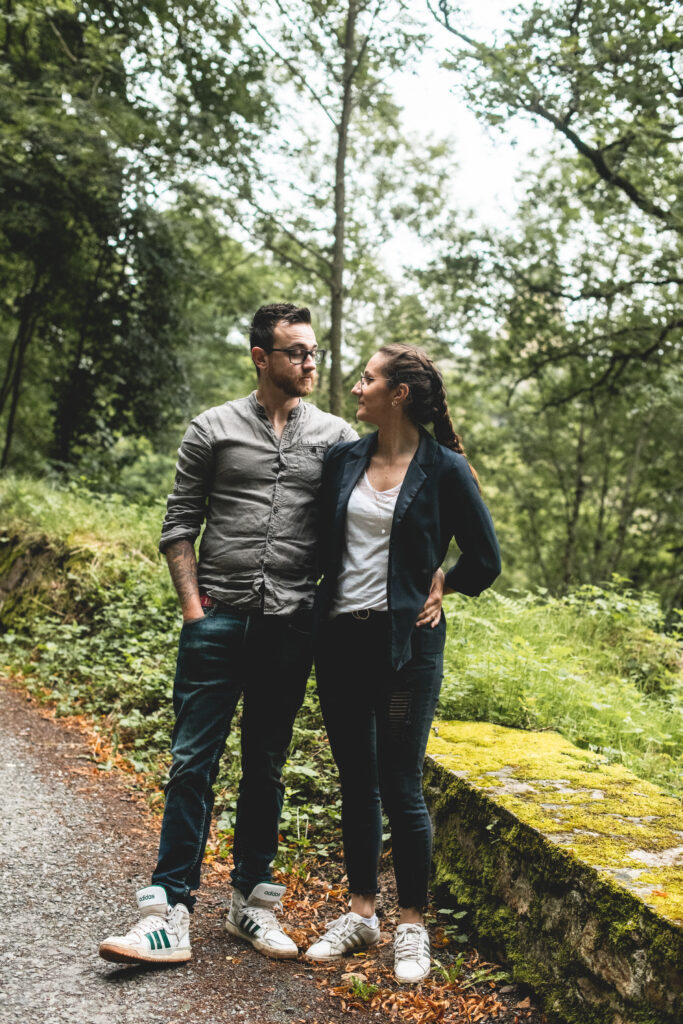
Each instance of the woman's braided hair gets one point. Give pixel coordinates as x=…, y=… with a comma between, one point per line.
x=406, y=364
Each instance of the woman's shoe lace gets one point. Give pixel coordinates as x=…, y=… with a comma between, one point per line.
x=340, y=927
x=410, y=943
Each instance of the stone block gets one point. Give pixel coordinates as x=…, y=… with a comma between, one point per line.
x=571, y=870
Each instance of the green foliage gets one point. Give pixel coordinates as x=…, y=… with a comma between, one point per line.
x=450, y=973
x=362, y=989
x=452, y=929
x=102, y=110
x=483, y=975
x=107, y=525
x=579, y=464
x=585, y=490
x=603, y=75
x=571, y=316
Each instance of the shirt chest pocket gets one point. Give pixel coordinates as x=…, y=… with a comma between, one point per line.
x=306, y=462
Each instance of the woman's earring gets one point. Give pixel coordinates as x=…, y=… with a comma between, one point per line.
x=394, y=403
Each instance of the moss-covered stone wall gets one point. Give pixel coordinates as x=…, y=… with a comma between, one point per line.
x=28, y=572
x=571, y=870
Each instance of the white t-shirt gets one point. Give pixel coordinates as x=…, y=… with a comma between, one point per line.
x=362, y=582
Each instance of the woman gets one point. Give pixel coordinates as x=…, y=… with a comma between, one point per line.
x=390, y=504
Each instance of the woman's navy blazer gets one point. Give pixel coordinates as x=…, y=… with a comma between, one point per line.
x=439, y=499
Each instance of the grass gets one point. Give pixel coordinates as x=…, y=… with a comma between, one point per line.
x=79, y=518
x=592, y=666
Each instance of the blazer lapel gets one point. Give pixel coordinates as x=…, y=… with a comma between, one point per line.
x=415, y=475
x=356, y=462
x=412, y=482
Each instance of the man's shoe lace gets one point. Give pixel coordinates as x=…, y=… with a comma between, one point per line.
x=153, y=922
x=264, y=916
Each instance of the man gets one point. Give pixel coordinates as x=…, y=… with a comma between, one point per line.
x=252, y=468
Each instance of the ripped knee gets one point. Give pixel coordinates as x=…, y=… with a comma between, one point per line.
x=399, y=712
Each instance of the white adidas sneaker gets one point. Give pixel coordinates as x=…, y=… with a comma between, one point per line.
x=412, y=961
x=254, y=919
x=161, y=936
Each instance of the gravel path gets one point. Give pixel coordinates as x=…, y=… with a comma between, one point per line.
x=74, y=846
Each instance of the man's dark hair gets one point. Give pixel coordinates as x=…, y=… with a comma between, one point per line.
x=268, y=317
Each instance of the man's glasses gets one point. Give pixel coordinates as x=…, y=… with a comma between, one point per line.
x=300, y=355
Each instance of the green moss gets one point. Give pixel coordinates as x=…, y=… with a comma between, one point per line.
x=9, y=553
x=602, y=814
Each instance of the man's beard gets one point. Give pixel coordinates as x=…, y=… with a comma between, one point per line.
x=296, y=388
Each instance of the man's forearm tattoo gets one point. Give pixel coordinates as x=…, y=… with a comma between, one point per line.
x=182, y=565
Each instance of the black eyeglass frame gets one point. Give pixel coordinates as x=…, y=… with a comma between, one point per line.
x=317, y=355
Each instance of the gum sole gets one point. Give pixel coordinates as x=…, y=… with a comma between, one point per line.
x=120, y=955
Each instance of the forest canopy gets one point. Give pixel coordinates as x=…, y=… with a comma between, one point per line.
x=166, y=167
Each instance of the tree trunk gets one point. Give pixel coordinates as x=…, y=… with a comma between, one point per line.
x=69, y=403
x=6, y=386
x=599, y=539
x=26, y=315
x=533, y=535
x=628, y=500
x=16, y=387
x=337, y=279
x=11, y=385
x=573, y=519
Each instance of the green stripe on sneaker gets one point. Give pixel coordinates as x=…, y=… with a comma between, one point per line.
x=164, y=937
x=150, y=939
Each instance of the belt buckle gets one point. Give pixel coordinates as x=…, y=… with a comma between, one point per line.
x=362, y=615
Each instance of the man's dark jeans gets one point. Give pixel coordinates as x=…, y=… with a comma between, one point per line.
x=378, y=722
x=220, y=657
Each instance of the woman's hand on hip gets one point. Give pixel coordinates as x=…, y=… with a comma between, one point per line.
x=431, y=611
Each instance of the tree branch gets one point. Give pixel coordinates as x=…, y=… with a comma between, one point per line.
x=62, y=41
x=291, y=67
x=305, y=246
x=596, y=158
x=286, y=256
x=574, y=16
x=617, y=359
x=606, y=292
x=617, y=365
x=593, y=155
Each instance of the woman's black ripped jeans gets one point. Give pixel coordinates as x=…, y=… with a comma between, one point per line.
x=378, y=722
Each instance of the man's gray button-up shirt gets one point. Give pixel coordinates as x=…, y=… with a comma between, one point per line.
x=257, y=492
